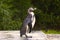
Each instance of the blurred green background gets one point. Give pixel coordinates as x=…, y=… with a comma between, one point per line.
x=13, y=12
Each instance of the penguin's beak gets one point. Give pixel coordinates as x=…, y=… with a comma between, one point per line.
x=35, y=8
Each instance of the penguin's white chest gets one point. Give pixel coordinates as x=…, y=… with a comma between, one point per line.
x=33, y=19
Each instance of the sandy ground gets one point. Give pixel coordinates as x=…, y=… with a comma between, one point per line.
x=53, y=36
x=36, y=35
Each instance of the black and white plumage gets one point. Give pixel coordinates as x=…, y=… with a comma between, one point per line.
x=28, y=23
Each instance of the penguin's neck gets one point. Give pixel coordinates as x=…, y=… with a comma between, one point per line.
x=32, y=13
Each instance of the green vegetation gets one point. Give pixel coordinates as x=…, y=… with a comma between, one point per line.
x=13, y=12
x=51, y=32
x=48, y=14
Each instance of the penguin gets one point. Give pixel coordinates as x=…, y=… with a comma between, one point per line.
x=28, y=22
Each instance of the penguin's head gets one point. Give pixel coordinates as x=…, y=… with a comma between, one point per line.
x=31, y=9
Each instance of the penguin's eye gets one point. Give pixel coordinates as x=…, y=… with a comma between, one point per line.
x=31, y=10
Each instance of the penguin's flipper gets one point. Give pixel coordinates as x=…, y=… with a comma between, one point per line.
x=30, y=27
